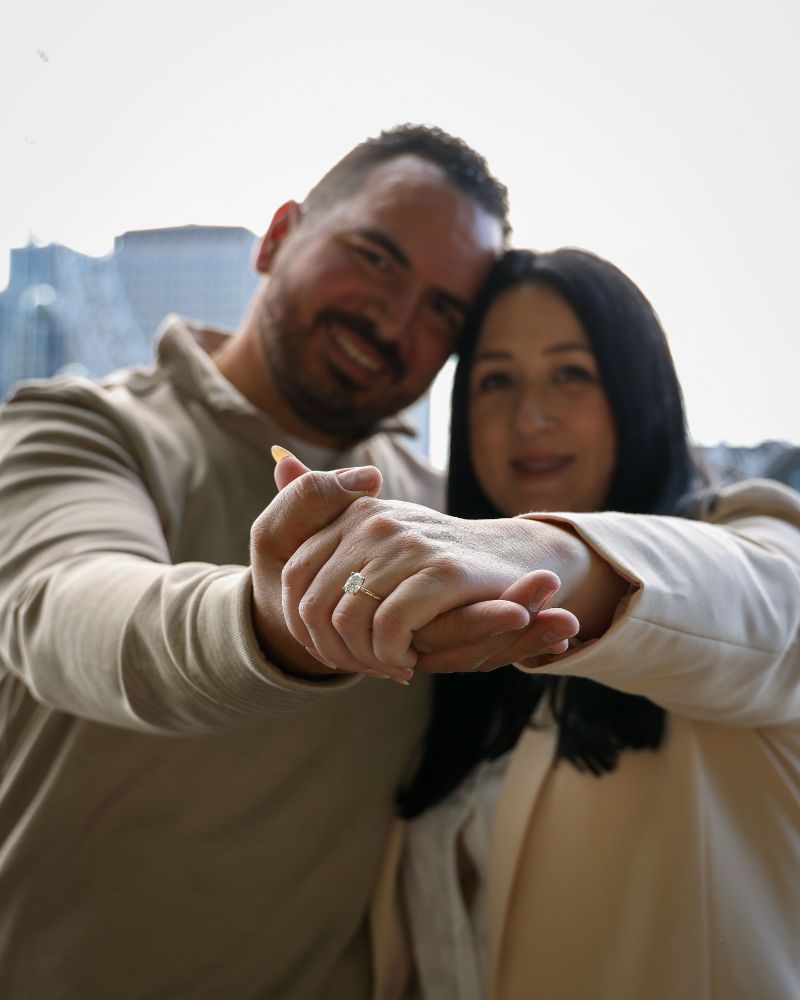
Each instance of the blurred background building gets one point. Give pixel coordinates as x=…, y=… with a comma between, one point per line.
x=66, y=312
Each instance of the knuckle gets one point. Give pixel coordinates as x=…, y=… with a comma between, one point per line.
x=343, y=619
x=447, y=569
x=382, y=525
x=258, y=531
x=390, y=624
x=294, y=571
x=308, y=606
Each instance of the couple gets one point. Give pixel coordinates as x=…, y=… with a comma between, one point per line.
x=193, y=805
x=620, y=821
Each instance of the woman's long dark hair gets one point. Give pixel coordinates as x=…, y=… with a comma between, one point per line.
x=481, y=716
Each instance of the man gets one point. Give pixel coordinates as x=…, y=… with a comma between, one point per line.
x=180, y=815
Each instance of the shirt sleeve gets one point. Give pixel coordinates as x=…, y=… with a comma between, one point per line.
x=95, y=619
x=709, y=627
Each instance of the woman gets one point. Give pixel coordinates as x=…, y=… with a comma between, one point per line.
x=614, y=880
x=642, y=837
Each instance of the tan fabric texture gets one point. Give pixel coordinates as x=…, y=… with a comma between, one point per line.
x=178, y=819
x=678, y=875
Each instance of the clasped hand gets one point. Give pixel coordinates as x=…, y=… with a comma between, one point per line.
x=455, y=594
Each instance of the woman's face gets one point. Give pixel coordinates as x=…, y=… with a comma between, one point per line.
x=541, y=432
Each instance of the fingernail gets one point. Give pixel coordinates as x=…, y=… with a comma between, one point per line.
x=540, y=600
x=279, y=452
x=315, y=654
x=507, y=628
x=552, y=636
x=356, y=480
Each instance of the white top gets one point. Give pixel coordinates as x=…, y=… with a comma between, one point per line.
x=449, y=937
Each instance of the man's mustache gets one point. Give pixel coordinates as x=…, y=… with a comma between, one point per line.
x=367, y=331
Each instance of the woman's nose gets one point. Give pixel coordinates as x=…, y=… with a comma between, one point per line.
x=534, y=413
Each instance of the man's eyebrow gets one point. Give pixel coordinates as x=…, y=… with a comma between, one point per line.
x=387, y=244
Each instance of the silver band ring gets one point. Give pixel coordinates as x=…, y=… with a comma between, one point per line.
x=355, y=585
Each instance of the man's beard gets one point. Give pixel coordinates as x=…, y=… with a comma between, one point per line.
x=331, y=405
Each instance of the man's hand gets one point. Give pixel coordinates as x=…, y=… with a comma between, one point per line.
x=307, y=502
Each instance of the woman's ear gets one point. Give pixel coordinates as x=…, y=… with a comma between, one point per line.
x=283, y=222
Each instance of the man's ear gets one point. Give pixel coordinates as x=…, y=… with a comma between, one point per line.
x=283, y=222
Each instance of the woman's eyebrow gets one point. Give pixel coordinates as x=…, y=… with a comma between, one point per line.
x=492, y=356
x=553, y=349
x=571, y=346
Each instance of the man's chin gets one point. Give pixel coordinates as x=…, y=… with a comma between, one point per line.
x=347, y=422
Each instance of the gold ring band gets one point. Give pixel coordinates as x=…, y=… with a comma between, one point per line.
x=355, y=585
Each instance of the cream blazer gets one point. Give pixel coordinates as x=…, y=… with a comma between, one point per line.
x=676, y=877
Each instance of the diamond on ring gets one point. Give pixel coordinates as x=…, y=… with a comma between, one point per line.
x=355, y=585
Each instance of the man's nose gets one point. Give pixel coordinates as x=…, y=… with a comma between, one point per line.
x=392, y=315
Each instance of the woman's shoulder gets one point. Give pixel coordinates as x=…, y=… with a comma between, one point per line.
x=747, y=498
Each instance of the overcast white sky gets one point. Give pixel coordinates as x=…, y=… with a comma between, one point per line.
x=663, y=136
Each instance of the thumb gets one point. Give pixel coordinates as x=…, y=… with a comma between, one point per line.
x=307, y=503
x=287, y=466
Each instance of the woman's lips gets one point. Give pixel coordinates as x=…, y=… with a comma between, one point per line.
x=538, y=466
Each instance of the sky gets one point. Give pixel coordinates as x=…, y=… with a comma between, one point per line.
x=662, y=136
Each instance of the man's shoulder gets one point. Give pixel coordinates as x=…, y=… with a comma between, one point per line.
x=119, y=397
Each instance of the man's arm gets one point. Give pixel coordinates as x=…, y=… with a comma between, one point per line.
x=95, y=619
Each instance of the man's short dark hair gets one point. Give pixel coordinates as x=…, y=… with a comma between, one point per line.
x=465, y=169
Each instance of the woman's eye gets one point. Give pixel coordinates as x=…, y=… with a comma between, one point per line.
x=492, y=381
x=573, y=373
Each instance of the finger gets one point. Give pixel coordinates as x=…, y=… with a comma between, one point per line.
x=472, y=624
x=319, y=613
x=341, y=624
x=510, y=647
x=314, y=581
x=415, y=602
x=401, y=679
x=297, y=577
x=550, y=634
x=534, y=589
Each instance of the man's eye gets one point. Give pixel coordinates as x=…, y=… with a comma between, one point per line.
x=447, y=313
x=373, y=257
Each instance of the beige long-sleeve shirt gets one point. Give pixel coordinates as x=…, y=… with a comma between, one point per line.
x=178, y=818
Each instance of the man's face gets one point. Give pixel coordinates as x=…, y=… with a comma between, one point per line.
x=365, y=299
